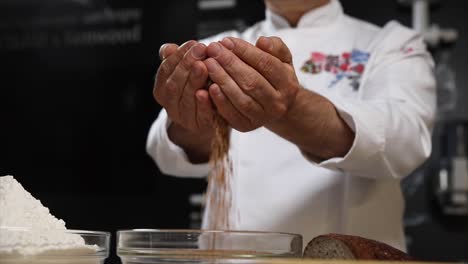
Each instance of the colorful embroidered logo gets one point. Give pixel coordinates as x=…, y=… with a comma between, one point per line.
x=349, y=65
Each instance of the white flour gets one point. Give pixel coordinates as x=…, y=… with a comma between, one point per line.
x=27, y=227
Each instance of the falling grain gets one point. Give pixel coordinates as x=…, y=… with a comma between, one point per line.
x=219, y=192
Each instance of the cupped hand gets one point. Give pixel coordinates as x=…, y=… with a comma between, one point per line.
x=252, y=85
x=180, y=86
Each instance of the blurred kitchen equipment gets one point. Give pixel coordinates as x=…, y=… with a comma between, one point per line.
x=197, y=205
x=446, y=83
x=451, y=183
x=216, y=4
x=216, y=16
x=451, y=177
x=433, y=34
x=188, y=246
x=440, y=40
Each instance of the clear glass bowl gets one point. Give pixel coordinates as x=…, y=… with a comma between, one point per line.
x=204, y=246
x=22, y=245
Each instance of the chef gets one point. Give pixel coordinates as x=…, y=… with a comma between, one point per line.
x=328, y=114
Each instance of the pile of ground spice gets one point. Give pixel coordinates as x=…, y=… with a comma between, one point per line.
x=219, y=190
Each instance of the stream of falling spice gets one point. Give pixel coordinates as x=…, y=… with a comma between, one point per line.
x=219, y=190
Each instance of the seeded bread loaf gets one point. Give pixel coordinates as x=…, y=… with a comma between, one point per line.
x=336, y=246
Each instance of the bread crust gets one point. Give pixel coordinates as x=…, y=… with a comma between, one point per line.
x=362, y=248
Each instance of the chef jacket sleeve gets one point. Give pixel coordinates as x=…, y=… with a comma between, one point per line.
x=394, y=113
x=170, y=158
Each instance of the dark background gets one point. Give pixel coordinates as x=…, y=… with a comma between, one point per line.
x=75, y=109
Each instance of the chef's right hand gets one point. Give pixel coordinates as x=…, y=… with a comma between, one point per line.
x=180, y=89
x=180, y=83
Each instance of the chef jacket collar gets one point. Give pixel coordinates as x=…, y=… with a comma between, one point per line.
x=322, y=16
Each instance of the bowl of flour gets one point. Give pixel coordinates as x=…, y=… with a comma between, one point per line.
x=29, y=233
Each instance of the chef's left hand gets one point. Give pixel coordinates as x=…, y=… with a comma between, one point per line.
x=252, y=85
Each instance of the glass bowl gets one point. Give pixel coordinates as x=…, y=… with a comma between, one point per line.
x=204, y=246
x=22, y=245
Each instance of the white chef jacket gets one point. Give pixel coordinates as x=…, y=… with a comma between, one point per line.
x=381, y=82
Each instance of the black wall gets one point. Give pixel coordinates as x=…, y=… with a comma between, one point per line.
x=76, y=105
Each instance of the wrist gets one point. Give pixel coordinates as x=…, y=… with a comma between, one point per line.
x=197, y=145
x=313, y=124
x=306, y=106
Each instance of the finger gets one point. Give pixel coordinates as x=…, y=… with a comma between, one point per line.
x=196, y=80
x=245, y=104
x=165, y=91
x=267, y=65
x=167, y=50
x=181, y=72
x=205, y=110
x=184, y=67
x=247, y=78
x=168, y=65
x=198, y=77
x=227, y=110
x=276, y=47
